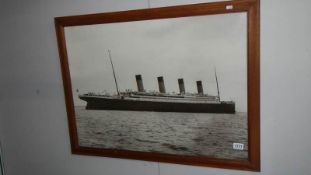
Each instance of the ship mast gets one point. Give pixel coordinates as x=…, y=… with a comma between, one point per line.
x=217, y=84
x=114, y=74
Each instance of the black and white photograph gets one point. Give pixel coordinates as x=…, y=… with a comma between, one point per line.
x=172, y=86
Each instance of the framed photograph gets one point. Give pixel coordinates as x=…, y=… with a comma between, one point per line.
x=173, y=84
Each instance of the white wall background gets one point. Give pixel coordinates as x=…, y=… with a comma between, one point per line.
x=33, y=123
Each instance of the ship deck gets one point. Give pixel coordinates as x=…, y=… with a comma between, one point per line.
x=166, y=99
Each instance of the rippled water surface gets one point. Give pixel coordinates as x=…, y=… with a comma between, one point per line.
x=166, y=132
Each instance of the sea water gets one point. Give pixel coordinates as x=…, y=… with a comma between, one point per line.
x=196, y=134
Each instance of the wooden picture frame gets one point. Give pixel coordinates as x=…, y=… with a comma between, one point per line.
x=251, y=7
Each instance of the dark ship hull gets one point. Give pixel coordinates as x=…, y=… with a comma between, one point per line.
x=134, y=104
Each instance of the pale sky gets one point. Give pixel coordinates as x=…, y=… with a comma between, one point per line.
x=188, y=47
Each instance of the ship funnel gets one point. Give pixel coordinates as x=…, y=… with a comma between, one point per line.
x=161, y=84
x=200, y=87
x=139, y=81
x=181, y=86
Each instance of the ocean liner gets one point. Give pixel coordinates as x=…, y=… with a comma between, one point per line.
x=161, y=101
